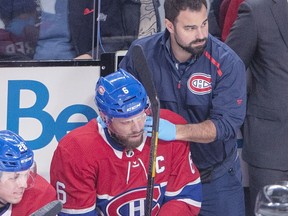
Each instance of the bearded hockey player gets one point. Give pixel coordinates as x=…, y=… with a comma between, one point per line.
x=101, y=168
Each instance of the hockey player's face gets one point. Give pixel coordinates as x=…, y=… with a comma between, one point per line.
x=128, y=131
x=12, y=186
x=190, y=31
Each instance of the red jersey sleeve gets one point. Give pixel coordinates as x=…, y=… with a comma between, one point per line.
x=183, y=194
x=73, y=171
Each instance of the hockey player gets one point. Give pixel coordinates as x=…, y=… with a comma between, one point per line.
x=19, y=182
x=101, y=168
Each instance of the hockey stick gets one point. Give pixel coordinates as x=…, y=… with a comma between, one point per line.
x=50, y=209
x=141, y=66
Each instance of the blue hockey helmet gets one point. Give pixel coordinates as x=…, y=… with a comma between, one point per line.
x=120, y=95
x=15, y=156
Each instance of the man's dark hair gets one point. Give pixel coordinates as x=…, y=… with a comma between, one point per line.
x=173, y=7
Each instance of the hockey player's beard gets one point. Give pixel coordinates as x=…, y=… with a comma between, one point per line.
x=128, y=141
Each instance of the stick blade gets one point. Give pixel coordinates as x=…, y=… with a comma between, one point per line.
x=50, y=209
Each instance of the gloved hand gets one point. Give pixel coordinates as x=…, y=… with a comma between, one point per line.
x=100, y=121
x=167, y=130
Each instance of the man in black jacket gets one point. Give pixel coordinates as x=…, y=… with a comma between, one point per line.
x=260, y=37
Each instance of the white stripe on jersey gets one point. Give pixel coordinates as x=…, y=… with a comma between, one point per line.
x=175, y=193
x=78, y=211
x=191, y=202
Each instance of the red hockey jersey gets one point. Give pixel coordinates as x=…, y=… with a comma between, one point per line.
x=94, y=176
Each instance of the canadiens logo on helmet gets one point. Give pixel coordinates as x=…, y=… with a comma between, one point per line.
x=101, y=90
x=200, y=83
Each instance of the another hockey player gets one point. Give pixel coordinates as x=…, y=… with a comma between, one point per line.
x=22, y=191
x=101, y=168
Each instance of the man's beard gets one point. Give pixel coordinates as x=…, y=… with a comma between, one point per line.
x=125, y=140
x=194, y=51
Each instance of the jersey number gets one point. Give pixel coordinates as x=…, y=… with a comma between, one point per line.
x=125, y=90
x=61, y=194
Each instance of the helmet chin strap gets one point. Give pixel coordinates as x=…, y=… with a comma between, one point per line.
x=2, y=203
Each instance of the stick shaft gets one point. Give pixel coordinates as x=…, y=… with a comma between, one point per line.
x=145, y=77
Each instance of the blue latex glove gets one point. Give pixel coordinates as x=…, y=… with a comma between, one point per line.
x=100, y=121
x=167, y=130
